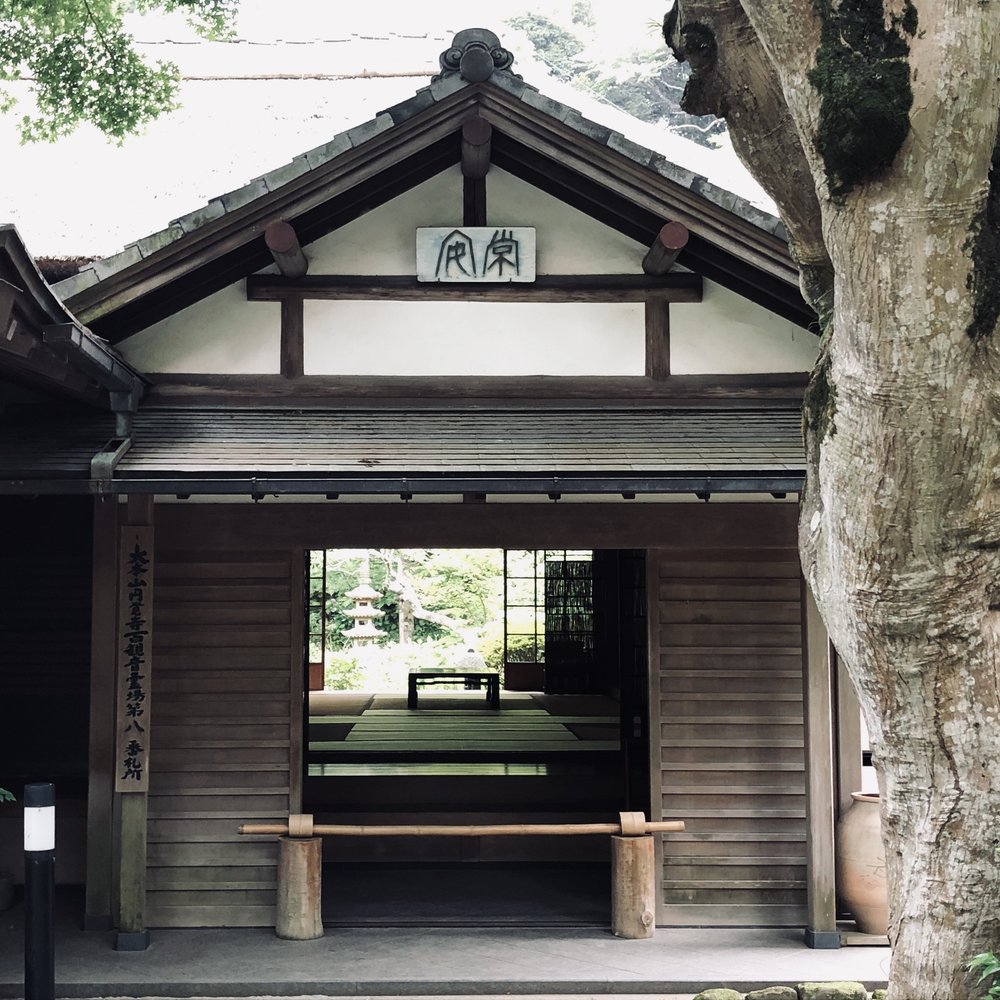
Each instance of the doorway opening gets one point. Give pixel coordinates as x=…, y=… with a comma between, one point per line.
x=565, y=631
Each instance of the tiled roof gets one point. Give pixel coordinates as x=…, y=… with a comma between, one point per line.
x=426, y=451
x=438, y=90
x=661, y=442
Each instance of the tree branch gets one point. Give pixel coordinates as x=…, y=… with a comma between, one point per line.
x=732, y=76
x=404, y=590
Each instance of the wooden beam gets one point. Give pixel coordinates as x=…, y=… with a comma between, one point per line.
x=292, y=337
x=477, y=136
x=817, y=693
x=657, y=339
x=235, y=526
x=670, y=241
x=541, y=391
x=682, y=287
x=283, y=243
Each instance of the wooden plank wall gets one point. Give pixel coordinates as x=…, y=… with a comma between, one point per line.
x=225, y=700
x=727, y=641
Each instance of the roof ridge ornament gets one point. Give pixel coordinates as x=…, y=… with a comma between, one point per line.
x=475, y=54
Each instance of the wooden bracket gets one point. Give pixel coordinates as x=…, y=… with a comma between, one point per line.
x=670, y=241
x=477, y=135
x=283, y=242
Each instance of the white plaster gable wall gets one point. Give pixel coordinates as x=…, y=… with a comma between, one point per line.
x=728, y=334
x=383, y=241
x=222, y=334
x=225, y=334
x=473, y=338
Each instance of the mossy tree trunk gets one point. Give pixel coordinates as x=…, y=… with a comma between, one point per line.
x=893, y=110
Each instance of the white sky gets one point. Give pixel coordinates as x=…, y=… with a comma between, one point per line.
x=86, y=196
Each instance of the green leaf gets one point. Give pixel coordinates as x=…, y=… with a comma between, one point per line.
x=83, y=67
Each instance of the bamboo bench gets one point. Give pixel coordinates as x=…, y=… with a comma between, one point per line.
x=421, y=677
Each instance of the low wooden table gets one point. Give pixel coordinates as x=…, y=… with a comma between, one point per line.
x=491, y=678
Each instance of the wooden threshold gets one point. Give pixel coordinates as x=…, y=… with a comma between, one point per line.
x=855, y=939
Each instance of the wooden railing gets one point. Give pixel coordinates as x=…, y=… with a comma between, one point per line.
x=633, y=883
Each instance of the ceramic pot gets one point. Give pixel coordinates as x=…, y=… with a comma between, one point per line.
x=861, y=880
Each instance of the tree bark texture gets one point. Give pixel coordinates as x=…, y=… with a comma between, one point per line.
x=900, y=527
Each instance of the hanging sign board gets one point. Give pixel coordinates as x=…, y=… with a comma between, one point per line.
x=476, y=254
x=135, y=640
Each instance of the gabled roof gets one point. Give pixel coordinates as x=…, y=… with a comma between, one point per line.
x=44, y=346
x=544, y=142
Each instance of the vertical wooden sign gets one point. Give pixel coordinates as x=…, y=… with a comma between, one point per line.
x=135, y=640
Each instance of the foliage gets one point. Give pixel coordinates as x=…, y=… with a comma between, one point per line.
x=465, y=585
x=520, y=647
x=6, y=796
x=343, y=671
x=462, y=583
x=647, y=83
x=385, y=667
x=988, y=967
x=80, y=58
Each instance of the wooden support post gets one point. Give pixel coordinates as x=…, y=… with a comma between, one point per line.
x=283, y=243
x=655, y=569
x=821, y=931
x=299, y=716
x=292, y=337
x=97, y=914
x=657, y=339
x=132, y=934
x=474, y=201
x=848, y=740
x=670, y=241
x=633, y=887
x=477, y=134
x=134, y=638
x=298, y=915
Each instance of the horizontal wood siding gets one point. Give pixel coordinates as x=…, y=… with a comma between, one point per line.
x=222, y=681
x=727, y=641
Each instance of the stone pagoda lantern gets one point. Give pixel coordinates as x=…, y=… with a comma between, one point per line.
x=364, y=631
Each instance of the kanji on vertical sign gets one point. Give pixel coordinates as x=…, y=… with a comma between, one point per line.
x=135, y=585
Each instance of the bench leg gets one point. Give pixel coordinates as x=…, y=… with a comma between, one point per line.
x=493, y=692
x=411, y=693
